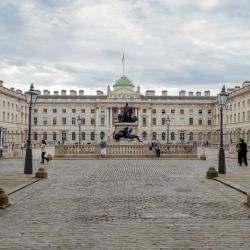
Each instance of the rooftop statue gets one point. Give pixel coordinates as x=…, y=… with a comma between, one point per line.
x=126, y=115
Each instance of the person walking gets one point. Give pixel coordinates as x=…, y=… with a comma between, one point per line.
x=238, y=150
x=102, y=146
x=43, y=149
x=157, y=149
x=243, y=152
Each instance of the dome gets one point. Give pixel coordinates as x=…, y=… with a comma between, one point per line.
x=123, y=81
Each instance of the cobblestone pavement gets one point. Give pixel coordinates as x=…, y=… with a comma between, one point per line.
x=126, y=205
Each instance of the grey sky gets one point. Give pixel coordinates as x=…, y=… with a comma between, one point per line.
x=77, y=44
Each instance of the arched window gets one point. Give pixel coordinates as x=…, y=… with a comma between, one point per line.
x=191, y=136
x=154, y=136
x=73, y=136
x=144, y=135
x=172, y=136
x=163, y=136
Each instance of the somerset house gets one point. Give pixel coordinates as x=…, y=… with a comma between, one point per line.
x=70, y=117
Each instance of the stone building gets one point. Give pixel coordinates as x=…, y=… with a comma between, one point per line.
x=194, y=116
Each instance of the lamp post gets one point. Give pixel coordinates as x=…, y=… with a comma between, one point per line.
x=31, y=97
x=79, y=122
x=168, y=120
x=222, y=98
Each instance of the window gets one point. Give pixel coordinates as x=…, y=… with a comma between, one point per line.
x=182, y=111
x=144, y=111
x=73, y=110
x=172, y=111
x=154, y=111
x=102, y=121
x=73, y=120
x=102, y=135
x=35, y=136
x=44, y=110
x=163, y=111
x=54, y=120
x=191, y=121
x=44, y=120
x=83, y=111
x=209, y=111
x=35, y=121
x=92, y=136
x=200, y=111
x=154, y=136
x=64, y=110
x=153, y=121
x=163, y=136
x=73, y=136
x=162, y=121
x=200, y=122
x=209, y=122
x=182, y=136
x=144, y=121
x=92, y=121
x=35, y=110
x=172, y=136
x=44, y=135
x=83, y=136
x=92, y=111
x=54, y=110
x=144, y=135
x=191, y=136
x=54, y=136
x=64, y=120
x=83, y=121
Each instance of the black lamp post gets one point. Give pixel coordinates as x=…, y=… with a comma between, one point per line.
x=79, y=122
x=168, y=120
x=31, y=97
x=222, y=98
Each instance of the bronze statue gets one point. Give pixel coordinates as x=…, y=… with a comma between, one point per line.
x=126, y=133
x=126, y=115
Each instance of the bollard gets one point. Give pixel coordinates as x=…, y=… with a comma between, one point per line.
x=41, y=173
x=248, y=200
x=211, y=173
x=4, y=200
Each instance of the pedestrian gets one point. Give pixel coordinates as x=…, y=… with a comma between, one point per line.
x=157, y=149
x=243, y=152
x=238, y=150
x=102, y=147
x=43, y=149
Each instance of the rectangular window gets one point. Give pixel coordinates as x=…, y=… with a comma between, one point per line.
x=163, y=111
x=209, y=122
x=73, y=110
x=35, y=110
x=64, y=120
x=92, y=122
x=92, y=111
x=144, y=111
x=200, y=111
x=102, y=121
x=153, y=121
x=162, y=121
x=200, y=122
x=182, y=111
x=54, y=120
x=172, y=111
x=64, y=110
x=54, y=110
x=154, y=111
x=191, y=121
x=209, y=111
x=83, y=111
x=144, y=121
x=83, y=121
x=44, y=120
x=73, y=120
x=54, y=136
x=35, y=121
x=83, y=136
x=92, y=136
x=44, y=110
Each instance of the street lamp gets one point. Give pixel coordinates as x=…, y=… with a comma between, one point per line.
x=168, y=120
x=222, y=98
x=31, y=97
x=79, y=121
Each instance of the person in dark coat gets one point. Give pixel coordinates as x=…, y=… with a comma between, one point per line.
x=243, y=152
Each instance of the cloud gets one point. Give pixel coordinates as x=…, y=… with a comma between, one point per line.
x=66, y=44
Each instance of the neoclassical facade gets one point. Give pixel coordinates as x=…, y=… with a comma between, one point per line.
x=194, y=115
